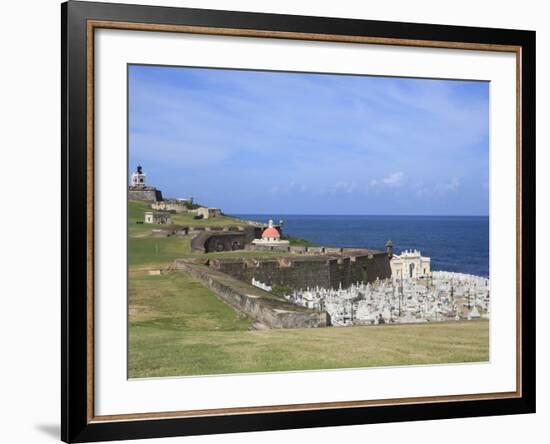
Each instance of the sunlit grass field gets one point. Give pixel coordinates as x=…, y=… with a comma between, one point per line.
x=178, y=328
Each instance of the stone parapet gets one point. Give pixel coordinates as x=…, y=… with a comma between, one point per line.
x=218, y=239
x=262, y=306
x=147, y=194
x=302, y=271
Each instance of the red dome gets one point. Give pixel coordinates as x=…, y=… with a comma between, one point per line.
x=271, y=232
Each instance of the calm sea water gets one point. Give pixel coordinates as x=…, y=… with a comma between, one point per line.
x=454, y=243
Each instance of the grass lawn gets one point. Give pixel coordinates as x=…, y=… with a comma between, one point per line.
x=298, y=242
x=177, y=327
x=156, y=252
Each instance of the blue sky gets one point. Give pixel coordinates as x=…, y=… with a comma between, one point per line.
x=294, y=143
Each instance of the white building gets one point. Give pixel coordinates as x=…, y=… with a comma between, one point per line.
x=410, y=264
x=138, y=177
x=154, y=217
x=208, y=213
x=271, y=237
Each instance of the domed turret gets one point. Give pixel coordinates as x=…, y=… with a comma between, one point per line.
x=271, y=236
x=271, y=233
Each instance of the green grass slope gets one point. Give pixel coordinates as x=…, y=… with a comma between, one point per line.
x=178, y=328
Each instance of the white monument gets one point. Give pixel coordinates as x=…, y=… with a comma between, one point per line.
x=410, y=264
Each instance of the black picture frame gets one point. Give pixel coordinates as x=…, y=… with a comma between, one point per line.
x=76, y=423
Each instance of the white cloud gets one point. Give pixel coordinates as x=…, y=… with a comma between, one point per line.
x=394, y=179
x=450, y=186
x=290, y=188
x=440, y=189
x=344, y=187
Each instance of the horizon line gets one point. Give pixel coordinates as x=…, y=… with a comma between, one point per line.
x=356, y=214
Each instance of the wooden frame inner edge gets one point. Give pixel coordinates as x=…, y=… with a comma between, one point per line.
x=90, y=28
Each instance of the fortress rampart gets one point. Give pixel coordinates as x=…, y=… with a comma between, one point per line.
x=148, y=194
x=172, y=205
x=317, y=269
x=260, y=305
x=215, y=239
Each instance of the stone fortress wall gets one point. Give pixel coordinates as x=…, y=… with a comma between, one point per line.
x=147, y=194
x=172, y=205
x=301, y=272
x=269, y=311
x=201, y=244
x=217, y=239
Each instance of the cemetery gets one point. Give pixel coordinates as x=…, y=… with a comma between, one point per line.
x=441, y=296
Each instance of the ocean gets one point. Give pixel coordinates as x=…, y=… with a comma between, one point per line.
x=454, y=243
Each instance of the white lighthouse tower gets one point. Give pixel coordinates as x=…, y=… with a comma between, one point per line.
x=139, y=190
x=138, y=177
